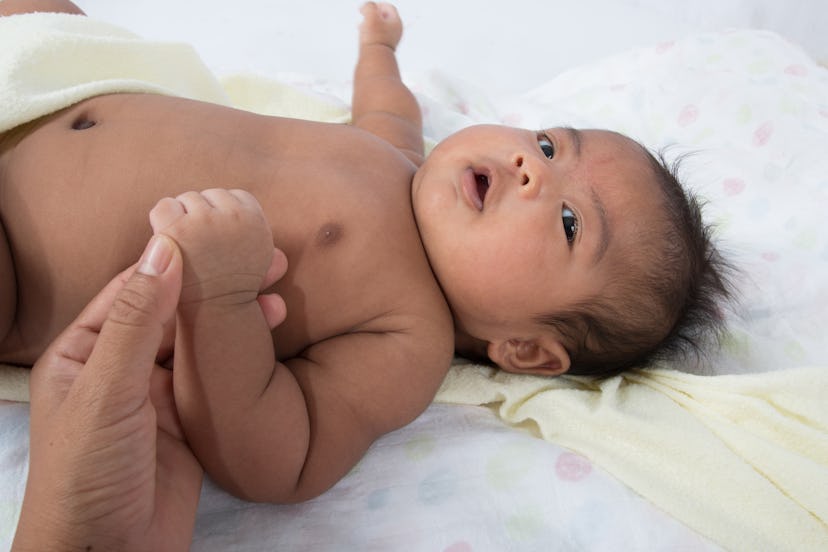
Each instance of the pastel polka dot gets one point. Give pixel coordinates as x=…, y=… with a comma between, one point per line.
x=420, y=447
x=796, y=70
x=665, y=47
x=572, y=467
x=688, y=115
x=733, y=186
x=759, y=66
x=762, y=134
x=460, y=546
x=377, y=499
x=437, y=487
x=524, y=526
x=745, y=114
x=795, y=350
x=759, y=208
x=736, y=343
x=806, y=239
x=773, y=172
x=512, y=119
x=770, y=256
x=509, y=465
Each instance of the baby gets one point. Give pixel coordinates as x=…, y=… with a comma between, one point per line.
x=550, y=252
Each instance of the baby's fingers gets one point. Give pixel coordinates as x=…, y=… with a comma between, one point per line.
x=383, y=9
x=278, y=267
x=381, y=24
x=273, y=308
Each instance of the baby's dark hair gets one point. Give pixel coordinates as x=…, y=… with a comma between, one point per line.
x=669, y=308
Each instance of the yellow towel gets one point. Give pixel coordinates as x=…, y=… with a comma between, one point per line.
x=51, y=61
x=742, y=459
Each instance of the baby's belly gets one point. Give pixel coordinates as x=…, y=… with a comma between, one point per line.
x=78, y=188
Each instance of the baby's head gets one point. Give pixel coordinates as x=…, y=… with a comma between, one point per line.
x=565, y=250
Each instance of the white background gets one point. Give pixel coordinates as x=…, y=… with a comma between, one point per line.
x=506, y=46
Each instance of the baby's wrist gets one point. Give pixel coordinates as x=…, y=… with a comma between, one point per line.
x=378, y=43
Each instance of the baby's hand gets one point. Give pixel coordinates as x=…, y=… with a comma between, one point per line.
x=226, y=242
x=381, y=24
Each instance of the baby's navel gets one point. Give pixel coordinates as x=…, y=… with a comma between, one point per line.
x=329, y=233
x=82, y=122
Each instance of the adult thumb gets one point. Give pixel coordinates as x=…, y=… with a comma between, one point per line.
x=131, y=335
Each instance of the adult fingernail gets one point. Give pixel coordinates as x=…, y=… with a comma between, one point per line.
x=156, y=257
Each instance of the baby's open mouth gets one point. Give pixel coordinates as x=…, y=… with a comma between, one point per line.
x=482, y=186
x=475, y=187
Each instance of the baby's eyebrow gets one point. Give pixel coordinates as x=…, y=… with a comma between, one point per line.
x=604, y=233
x=575, y=138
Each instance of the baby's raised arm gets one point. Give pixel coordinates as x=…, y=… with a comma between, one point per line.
x=382, y=104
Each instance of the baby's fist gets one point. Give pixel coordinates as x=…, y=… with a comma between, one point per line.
x=381, y=24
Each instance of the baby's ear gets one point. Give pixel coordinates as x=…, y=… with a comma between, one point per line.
x=538, y=357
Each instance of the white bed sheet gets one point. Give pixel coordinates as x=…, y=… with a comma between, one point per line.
x=457, y=479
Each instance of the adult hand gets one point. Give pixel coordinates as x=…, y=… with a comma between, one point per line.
x=109, y=469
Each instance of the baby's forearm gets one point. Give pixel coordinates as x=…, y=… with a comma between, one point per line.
x=378, y=88
x=242, y=411
x=381, y=103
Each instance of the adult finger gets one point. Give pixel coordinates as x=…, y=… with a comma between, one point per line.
x=131, y=334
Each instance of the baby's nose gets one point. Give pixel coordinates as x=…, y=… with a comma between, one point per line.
x=528, y=175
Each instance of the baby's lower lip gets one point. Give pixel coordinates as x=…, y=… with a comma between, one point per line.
x=468, y=182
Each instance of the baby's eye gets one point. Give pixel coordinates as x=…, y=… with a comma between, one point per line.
x=546, y=146
x=570, y=224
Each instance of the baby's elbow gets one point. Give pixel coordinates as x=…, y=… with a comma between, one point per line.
x=261, y=486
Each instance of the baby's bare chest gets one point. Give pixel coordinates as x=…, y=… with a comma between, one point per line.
x=354, y=257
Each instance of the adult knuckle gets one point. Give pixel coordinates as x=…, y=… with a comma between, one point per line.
x=134, y=305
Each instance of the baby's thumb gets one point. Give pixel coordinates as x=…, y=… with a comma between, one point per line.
x=131, y=335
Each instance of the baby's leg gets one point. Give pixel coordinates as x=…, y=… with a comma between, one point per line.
x=8, y=287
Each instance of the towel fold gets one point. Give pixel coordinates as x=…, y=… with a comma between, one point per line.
x=742, y=459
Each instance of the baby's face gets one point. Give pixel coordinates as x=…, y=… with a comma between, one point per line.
x=518, y=224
